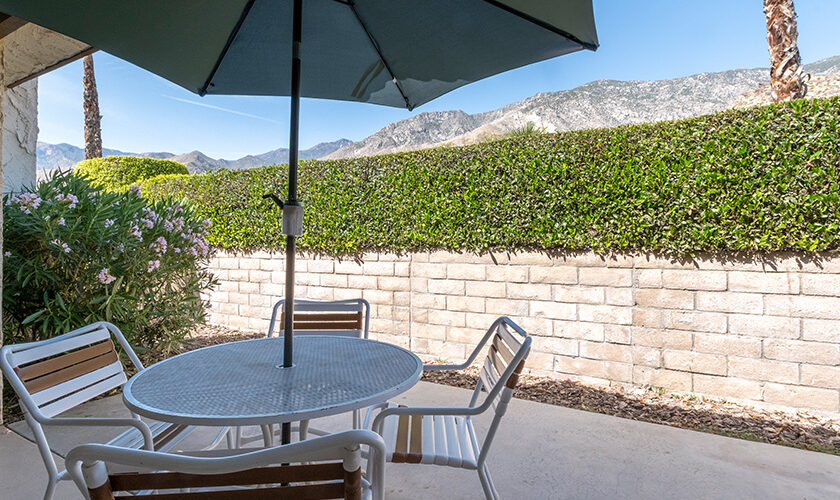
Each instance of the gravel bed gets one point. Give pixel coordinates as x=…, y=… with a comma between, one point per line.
x=800, y=429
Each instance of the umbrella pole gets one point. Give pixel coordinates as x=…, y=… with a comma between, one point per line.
x=289, y=305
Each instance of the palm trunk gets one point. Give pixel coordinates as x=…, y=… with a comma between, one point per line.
x=787, y=81
x=93, y=131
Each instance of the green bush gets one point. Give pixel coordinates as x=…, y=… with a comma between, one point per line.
x=747, y=180
x=117, y=173
x=75, y=255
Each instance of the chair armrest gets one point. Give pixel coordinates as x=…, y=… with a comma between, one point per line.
x=387, y=412
x=148, y=440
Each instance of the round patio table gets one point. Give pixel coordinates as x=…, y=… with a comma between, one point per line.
x=244, y=383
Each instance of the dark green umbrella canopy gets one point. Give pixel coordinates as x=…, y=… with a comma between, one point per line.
x=399, y=53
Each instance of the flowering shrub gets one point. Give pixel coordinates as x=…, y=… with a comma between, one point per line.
x=74, y=255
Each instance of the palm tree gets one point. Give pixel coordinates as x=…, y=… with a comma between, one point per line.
x=787, y=81
x=93, y=130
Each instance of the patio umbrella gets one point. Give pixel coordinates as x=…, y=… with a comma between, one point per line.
x=400, y=53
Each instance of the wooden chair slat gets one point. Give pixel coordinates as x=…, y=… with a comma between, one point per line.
x=41, y=368
x=327, y=306
x=85, y=394
x=348, y=316
x=68, y=387
x=336, y=325
x=326, y=321
x=401, y=448
x=320, y=491
x=511, y=341
x=48, y=348
x=264, y=475
x=353, y=484
x=514, y=377
x=498, y=362
x=502, y=349
x=167, y=435
x=71, y=372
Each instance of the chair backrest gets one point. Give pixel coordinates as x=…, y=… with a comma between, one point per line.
x=335, y=471
x=349, y=318
x=508, y=344
x=57, y=374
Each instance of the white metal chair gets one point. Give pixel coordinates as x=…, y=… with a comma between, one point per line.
x=54, y=375
x=446, y=436
x=223, y=477
x=348, y=318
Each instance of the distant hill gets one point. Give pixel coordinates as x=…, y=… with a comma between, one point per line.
x=64, y=156
x=602, y=103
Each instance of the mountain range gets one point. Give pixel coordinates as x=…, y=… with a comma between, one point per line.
x=602, y=103
x=64, y=156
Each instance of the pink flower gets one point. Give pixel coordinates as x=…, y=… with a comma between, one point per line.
x=207, y=223
x=153, y=264
x=61, y=245
x=135, y=231
x=60, y=221
x=105, y=276
x=159, y=245
x=68, y=198
x=27, y=202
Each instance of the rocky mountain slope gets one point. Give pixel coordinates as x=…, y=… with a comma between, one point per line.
x=602, y=103
x=64, y=156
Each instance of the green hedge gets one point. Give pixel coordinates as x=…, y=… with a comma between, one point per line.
x=117, y=173
x=757, y=179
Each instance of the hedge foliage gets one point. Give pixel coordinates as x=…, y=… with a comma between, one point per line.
x=117, y=173
x=745, y=180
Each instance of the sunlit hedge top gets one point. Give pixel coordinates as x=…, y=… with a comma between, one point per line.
x=757, y=179
x=117, y=173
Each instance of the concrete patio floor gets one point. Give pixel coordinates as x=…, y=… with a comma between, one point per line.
x=541, y=452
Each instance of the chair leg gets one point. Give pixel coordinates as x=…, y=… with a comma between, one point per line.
x=268, y=436
x=303, y=430
x=50, y=489
x=487, y=483
x=230, y=437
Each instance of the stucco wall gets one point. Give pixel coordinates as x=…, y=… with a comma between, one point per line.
x=19, y=118
x=765, y=331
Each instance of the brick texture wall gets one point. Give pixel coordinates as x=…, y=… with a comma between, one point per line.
x=766, y=331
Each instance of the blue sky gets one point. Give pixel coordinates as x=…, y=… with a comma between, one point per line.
x=640, y=40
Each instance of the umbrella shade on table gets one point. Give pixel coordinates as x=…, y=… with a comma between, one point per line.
x=399, y=53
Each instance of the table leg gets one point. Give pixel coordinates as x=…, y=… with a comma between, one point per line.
x=268, y=437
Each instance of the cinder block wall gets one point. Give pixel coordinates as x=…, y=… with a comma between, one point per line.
x=765, y=331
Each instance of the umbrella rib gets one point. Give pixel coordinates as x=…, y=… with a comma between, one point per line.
x=378, y=52
x=203, y=90
x=542, y=24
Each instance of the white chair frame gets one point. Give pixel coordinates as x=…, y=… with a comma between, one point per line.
x=499, y=385
x=40, y=408
x=86, y=467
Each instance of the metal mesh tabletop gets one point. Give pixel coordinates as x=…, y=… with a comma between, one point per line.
x=242, y=382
